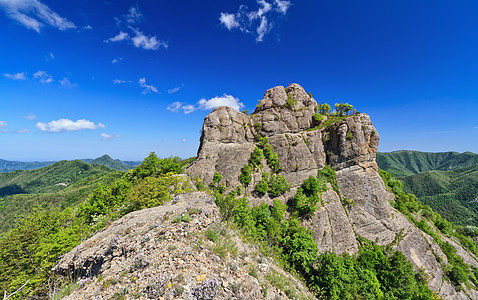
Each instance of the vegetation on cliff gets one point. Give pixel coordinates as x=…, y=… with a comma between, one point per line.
x=375, y=272
x=30, y=250
x=457, y=271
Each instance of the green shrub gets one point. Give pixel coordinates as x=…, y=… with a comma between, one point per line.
x=272, y=158
x=290, y=102
x=278, y=185
x=258, y=126
x=349, y=135
x=216, y=178
x=318, y=118
x=308, y=196
x=256, y=157
x=246, y=175
x=263, y=187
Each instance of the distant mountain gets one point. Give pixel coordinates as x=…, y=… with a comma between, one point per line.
x=48, y=179
x=8, y=166
x=130, y=163
x=115, y=164
x=405, y=163
x=107, y=161
x=445, y=181
x=61, y=184
x=453, y=194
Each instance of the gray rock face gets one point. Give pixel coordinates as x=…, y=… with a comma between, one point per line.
x=304, y=146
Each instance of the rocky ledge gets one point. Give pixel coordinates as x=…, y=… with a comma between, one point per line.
x=176, y=251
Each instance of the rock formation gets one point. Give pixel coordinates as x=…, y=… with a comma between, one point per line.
x=149, y=254
x=305, y=145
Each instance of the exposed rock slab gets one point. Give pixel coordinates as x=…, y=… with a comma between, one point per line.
x=145, y=250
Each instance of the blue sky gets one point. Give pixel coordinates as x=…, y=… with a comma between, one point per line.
x=79, y=79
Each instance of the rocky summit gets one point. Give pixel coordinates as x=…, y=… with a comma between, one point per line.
x=304, y=146
x=147, y=251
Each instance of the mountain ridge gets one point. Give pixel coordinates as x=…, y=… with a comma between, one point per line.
x=406, y=162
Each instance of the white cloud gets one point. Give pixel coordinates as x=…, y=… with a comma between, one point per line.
x=207, y=104
x=66, y=82
x=62, y=125
x=147, y=42
x=88, y=27
x=134, y=15
x=16, y=76
x=262, y=29
x=119, y=81
x=184, y=140
x=229, y=20
x=258, y=21
x=224, y=100
x=43, y=77
x=30, y=117
x=3, y=126
x=115, y=60
x=282, y=6
x=147, y=88
x=189, y=108
x=52, y=56
x=24, y=130
x=119, y=37
x=172, y=91
x=136, y=36
x=175, y=106
x=106, y=136
x=33, y=14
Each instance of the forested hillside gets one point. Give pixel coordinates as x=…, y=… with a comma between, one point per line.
x=446, y=181
x=49, y=179
x=454, y=194
x=29, y=251
x=404, y=163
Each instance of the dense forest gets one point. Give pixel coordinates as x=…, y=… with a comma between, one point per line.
x=447, y=181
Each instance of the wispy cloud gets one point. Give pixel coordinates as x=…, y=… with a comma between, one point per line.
x=43, y=77
x=24, y=130
x=207, y=104
x=147, y=42
x=16, y=76
x=115, y=60
x=134, y=15
x=88, y=27
x=184, y=140
x=147, y=88
x=34, y=15
x=105, y=136
x=258, y=22
x=135, y=34
x=30, y=117
x=175, y=106
x=229, y=20
x=63, y=125
x=174, y=90
x=66, y=82
x=119, y=37
x=120, y=81
x=3, y=127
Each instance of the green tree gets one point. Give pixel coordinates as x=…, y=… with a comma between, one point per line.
x=324, y=109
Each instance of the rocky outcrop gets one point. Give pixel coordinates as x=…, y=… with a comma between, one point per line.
x=305, y=145
x=156, y=253
x=285, y=116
